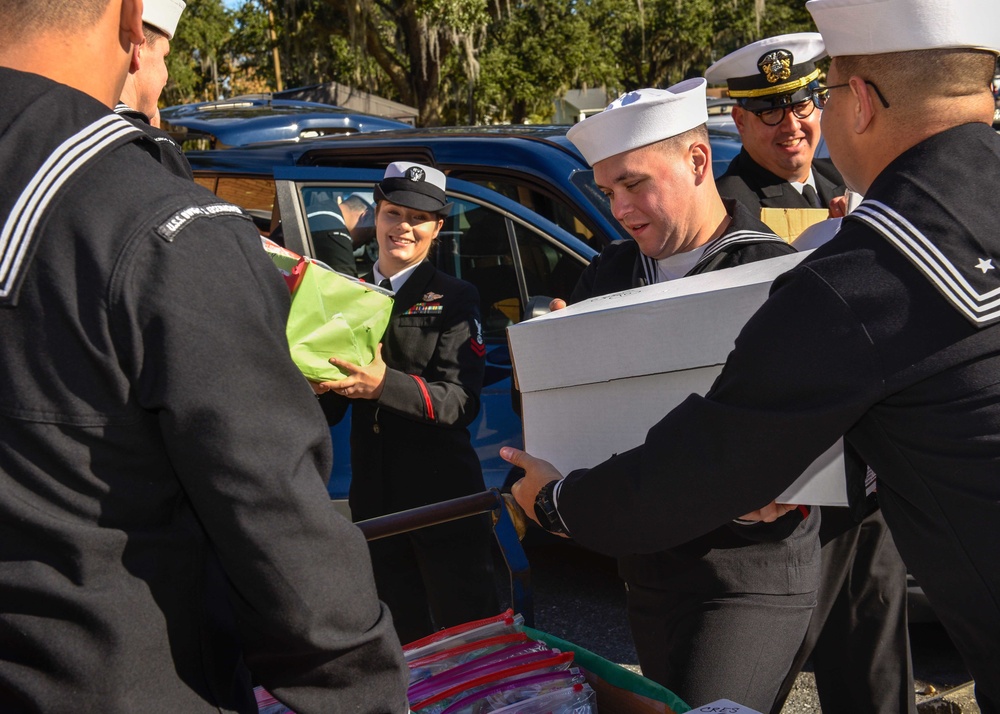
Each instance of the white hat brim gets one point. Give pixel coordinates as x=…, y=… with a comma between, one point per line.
x=867, y=27
x=652, y=116
x=163, y=15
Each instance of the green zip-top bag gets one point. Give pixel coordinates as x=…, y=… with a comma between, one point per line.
x=332, y=315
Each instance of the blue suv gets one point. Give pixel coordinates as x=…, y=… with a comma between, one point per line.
x=241, y=121
x=527, y=219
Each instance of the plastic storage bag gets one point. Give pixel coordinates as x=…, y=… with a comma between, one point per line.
x=535, y=663
x=502, y=624
x=578, y=699
x=514, y=690
x=516, y=654
x=333, y=315
x=424, y=667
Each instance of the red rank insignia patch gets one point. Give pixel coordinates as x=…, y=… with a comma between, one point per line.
x=477, y=342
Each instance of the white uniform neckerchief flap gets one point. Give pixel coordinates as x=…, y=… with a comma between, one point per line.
x=123, y=109
x=937, y=205
x=743, y=229
x=57, y=134
x=738, y=237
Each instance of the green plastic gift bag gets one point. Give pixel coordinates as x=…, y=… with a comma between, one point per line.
x=333, y=315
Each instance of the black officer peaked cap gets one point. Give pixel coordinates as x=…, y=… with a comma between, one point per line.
x=776, y=71
x=413, y=186
x=777, y=76
x=771, y=101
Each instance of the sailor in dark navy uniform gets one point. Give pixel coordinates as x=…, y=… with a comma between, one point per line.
x=888, y=335
x=858, y=636
x=164, y=523
x=622, y=265
x=692, y=608
x=332, y=225
x=772, y=81
x=147, y=77
x=410, y=443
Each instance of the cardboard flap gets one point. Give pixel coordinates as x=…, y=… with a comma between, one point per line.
x=788, y=223
x=678, y=325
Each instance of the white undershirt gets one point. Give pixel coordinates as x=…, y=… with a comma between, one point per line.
x=397, y=280
x=679, y=264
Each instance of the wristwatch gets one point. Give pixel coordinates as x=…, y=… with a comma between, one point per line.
x=545, y=510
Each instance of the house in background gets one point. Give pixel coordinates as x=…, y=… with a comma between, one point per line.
x=578, y=104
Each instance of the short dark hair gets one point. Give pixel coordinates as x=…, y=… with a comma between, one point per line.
x=18, y=17
x=356, y=203
x=684, y=139
x=151, y=34
x=922, y=74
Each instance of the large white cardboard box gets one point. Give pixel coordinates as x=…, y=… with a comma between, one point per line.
x=595, y=376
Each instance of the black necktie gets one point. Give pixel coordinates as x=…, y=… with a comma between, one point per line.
x=384, y=283
x=809, y=193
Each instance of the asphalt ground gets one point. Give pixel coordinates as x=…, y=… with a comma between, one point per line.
x=579, y=597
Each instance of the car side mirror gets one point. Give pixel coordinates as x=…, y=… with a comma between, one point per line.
x=537, y=305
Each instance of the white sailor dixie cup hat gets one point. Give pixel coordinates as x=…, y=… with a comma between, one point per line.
x=413, y=186
x=869, y=27
x=639, y=118
x=163, y=15
x=774, y=72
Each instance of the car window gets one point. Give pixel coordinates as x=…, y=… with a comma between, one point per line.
x=255, y=195
x=544, y=204
x=341, y=224
x=549, y=269
x=250, y=193
x=474, y=244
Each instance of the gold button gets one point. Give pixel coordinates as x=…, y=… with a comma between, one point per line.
x=375, y=428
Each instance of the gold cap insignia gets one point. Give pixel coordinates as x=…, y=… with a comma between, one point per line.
x=776, y=66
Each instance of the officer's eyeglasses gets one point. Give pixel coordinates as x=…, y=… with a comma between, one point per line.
x=773, y=117
x=821, y=95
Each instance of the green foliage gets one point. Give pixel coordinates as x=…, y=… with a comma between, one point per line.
x=462, y=60
x=197, y=62
x=412, y=40
x=737, y=23
x=536, y=52
x=460, y=16
x=313, y=43
x=249, y=49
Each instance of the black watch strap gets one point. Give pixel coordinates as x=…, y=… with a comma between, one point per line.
x=545, y=509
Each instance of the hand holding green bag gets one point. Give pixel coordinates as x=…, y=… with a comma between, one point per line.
x=333, y=315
